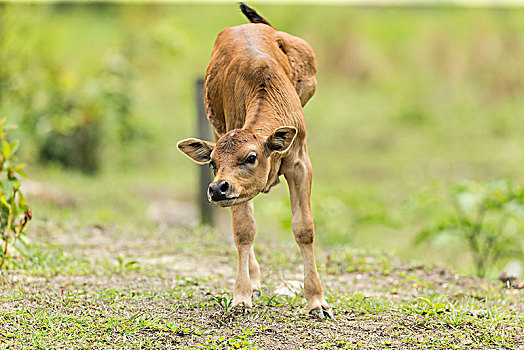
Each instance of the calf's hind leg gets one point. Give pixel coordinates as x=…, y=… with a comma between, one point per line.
x=298, y=177
x=248, y=273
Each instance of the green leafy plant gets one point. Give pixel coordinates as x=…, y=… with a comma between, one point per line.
x=69, y=114
x=14, y=212
x=222, y=302
x=125, y=265
x=487, y=218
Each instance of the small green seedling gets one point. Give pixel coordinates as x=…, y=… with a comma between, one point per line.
x=223, y=302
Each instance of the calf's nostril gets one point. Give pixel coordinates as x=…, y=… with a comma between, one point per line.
x=224, y=186
x=213, y=189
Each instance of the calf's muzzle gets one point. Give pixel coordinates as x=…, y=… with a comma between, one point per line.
x=218, y=192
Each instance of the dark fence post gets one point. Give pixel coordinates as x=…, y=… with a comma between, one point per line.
x=203, y=132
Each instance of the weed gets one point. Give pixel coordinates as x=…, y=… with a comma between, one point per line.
x=482, y=218
x=223, y=303
x=14, y=212
x=123, y=265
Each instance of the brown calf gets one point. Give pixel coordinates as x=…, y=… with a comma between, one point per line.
x=256, y=84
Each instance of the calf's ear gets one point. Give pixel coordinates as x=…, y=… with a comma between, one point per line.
x=281, y=139
x=198, y=150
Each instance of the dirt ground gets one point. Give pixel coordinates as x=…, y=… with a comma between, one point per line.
x=108, y=287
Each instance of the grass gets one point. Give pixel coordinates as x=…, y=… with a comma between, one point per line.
x=151, y=319
x=97, y=288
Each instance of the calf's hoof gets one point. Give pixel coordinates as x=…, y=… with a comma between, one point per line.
x=322, y=313
x=256, y=294
x=242, y=303
x=241, y=309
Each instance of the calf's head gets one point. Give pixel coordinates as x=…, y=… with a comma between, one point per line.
x=240, y=161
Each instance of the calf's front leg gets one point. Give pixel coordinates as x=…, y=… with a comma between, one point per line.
x=298, y=176
x=248, y=273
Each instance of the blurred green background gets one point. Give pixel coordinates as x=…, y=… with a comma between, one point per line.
x=409, y=101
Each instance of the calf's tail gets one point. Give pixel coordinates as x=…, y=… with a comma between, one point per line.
x=252, y=15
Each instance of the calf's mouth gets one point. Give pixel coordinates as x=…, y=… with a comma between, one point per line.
x=226, y=202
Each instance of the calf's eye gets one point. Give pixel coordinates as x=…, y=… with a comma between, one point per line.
x=251, y=159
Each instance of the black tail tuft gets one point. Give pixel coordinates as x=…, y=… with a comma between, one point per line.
x=252, y=15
